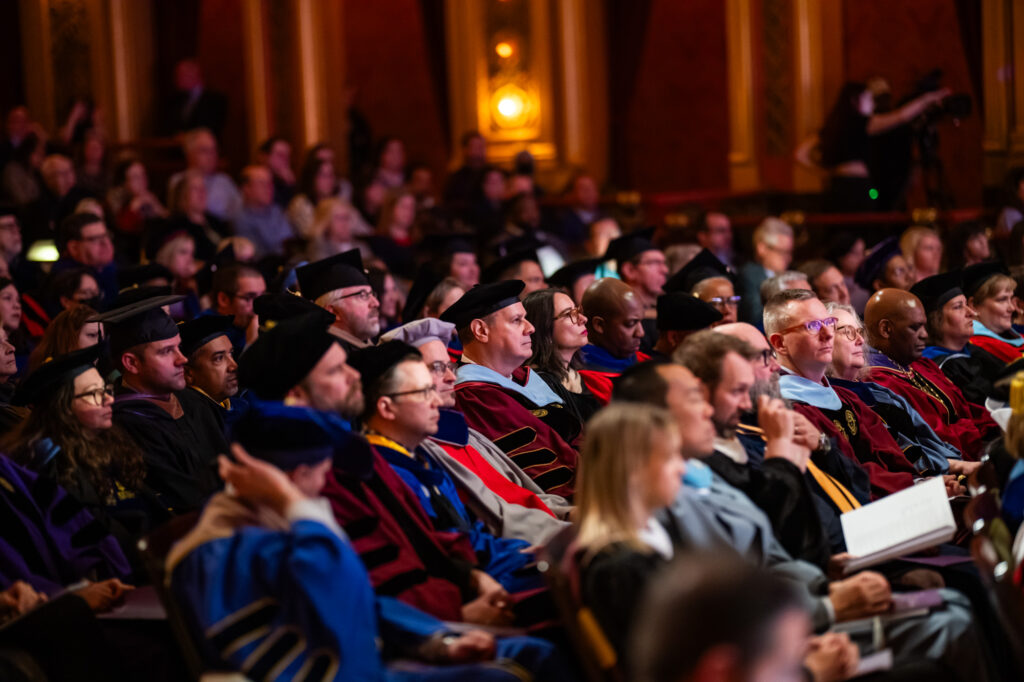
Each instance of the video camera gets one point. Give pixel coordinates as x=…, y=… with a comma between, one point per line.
x=956, y=106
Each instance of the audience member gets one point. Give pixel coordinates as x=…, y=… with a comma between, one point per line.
x=190, y=212
x=826, y=281
x=463, y=186
x=885, y=268
x=846, y=251
x=922, y=249
x=261, y=220
x=575, y=278
x=222, y=197
x=503, y=399
x=58, y=199
x=275, y=154
x=950, y=325
x=318, y=181
x=130, y=198
x=339, y=285
x=512, y=504
x=790, y=279
x=194, y=106
x=613, y=313
x=333, y=230
x=896, y=331
x=559, y=334
x=69, y=331
x=234, y=289
x=584, y=208
x=714, y=233
x=990, y=290
x=642, y=266
x=773, y=252
x=1013, y=209
x=969, y=244
x=679, y=316
x=86, y=243
x=211, y=370
x=392, y=241
x=178, y=431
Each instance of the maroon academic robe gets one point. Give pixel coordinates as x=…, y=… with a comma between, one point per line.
x=963, y=425
x=524, y=434
x=861, y=435
x=405, y=556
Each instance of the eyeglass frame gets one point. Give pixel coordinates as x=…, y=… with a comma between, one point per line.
x=731, y=301
x=806, y=326
x=439, y=367
x=574, y=314
x=858, y=330
x=108, y=389
x=426, y=391
x=767, y=355
x=364, y=295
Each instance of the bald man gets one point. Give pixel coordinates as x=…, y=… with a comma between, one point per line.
x=614, y=327
x=896, y=331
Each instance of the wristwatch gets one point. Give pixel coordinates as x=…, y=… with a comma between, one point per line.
x=824, y=443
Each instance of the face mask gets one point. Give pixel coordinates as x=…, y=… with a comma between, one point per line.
x=697, y=476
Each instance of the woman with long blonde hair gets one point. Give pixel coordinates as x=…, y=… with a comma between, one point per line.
x=334, y=229
x=631, y=466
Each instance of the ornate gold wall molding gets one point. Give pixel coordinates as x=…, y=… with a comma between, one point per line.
x=1003, y=73
x=256, y=72
x=38, y=61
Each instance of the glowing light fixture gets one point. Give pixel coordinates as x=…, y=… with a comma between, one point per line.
x=504, y=49
x=511, y=106
x=43, y=251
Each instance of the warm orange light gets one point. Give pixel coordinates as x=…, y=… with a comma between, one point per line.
x=504, y=49
x=512, y=106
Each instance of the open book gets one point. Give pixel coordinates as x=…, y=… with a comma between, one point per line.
x=902, y=523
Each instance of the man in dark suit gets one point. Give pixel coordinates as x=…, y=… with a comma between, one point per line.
x=193, y=105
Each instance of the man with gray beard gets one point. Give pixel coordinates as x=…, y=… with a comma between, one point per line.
x=772, y=476
x=837, y=482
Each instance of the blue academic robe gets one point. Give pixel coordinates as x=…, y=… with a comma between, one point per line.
x=296, y=603
x=501, y=558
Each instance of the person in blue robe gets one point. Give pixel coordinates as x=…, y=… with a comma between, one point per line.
x=276, y=591
x=398, y=422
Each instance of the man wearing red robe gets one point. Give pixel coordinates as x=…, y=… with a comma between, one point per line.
x=615, y=329
x=897, y=332
x=504, y=400
x=801, y=333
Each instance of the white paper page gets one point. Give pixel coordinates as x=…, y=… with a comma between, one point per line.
x=897, y=519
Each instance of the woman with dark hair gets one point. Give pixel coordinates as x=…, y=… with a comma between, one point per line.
x=970, y=244
x=11, y=319
x=74, y=287
x=393, y=240
x=69, y=438
x=843, y=144
x=69, y=331
x=131, y=199
x=1013, y=206
x=846, y=252
x=560, y=331
x=318, y=180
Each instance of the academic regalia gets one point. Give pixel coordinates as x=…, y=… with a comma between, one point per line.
x=839, y=484
x=405, y=556
x=928, y=453
x=236, y=335
x=181, y=451
x=858, y=432
x=938, y=401
x=289, y=599
x=508, y=508
x=601, y=367
x=583, y=404
x=49, y=540
x=128, y=516
x=779, y=489
x=971, y=369
x=1008, y=346
x=526, y=420
x=501, y=558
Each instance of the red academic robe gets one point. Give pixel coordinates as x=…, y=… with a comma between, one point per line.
x=1002, y=350
x=405, y=556
x=963, y=425
x=861, y=435
x=599, y=380
x=469, y=457
x=521, y=433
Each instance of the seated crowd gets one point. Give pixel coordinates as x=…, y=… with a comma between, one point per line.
x=411, y=437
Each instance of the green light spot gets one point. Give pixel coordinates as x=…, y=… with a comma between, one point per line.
x=873, y=193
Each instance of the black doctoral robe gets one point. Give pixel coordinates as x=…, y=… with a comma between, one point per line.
x=180, y=453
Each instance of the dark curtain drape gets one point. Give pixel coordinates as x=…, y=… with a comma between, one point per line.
x=627, y=27
x=433, y=28
x=969, y=15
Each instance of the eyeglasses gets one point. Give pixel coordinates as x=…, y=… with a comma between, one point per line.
x=851, y=332
x=424, y=393
x=248, y=297
x=96, y=238
x=575, y=315
x=811, y=326
x=363, y=296
x=653, y=261
x=730, y=301
x=96, y=395
x=439, y=367
x=767, y=355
